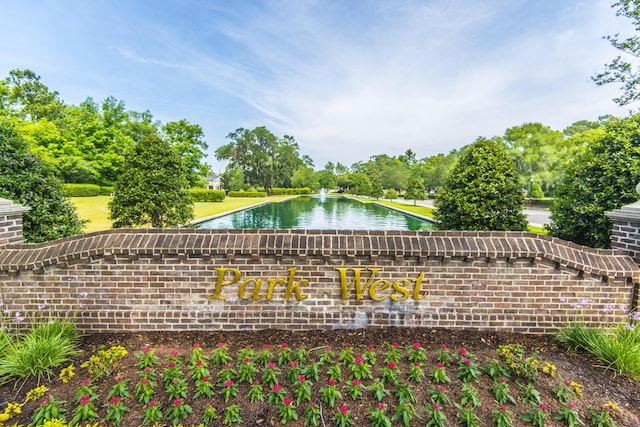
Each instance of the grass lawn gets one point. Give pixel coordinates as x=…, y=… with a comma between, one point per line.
x=96, y=211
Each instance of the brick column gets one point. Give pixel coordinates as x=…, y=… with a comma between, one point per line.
x=11, y=222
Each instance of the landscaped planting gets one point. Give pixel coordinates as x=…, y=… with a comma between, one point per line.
x=341, y=385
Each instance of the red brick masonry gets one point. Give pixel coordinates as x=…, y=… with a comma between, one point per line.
x=188, y=279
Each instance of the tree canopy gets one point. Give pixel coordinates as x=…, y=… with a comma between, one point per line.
x=29, y=181
x=482, y=192
x=266, y=160
x=152, y=189
x=621, y=70
x=600, y=180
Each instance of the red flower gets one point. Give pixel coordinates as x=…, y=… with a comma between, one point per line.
x=392, y=364
x=344, y=410
x=114, y=400
x=467, y=361
x=441, y=389
x=246, y=360
x=502, y=380
x=276, y=388
x=146, y=350
x=463, y=352
x=348, y=345
x=265, y=346
x=380, y=405
x=177, y=402
x=571, y=405
x=83, y=400
x=287, y=401
x=220, y=344
x=416, y=363
x=332, y=381
x=371, y=347
x=355, y=382
x=301, y=378
x=271, y=365
x=416, y=345
x=359, y=360
x=196, y=344
x=151, y=404
x=86, y=381
x=440, y=365
x=442, y=346
x=543, y=406
x=144, y=381
x=436, y=406
x=395, y=344
x=228, y=383
x=46, y=400
x=173, y=353
x=284, y=345
x=171, y=364
x=205, y=379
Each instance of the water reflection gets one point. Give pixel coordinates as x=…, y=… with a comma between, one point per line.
x=332, y=213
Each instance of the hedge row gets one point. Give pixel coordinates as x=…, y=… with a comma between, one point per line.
x=81, y=190
x=205, y=195
x=290, y=191
x=247, y=194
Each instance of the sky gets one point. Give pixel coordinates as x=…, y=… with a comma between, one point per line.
x=348, y=79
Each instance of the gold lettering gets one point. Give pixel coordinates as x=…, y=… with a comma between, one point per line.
x=295, y=286
x=217, y=294
x=272, y=284
x=416, y=289
x=397, y=286
x=243, y=286
x=375, y=287
x=360, y=289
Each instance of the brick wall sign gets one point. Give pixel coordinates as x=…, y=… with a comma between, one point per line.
x=188, y=279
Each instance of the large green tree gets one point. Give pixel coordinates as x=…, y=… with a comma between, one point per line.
x=28, y=180
x=415, y=190
x=602, y=179
x=482, y=192
x=621, y=70
x=152, y=189
x=266, y=160
x=188, y=140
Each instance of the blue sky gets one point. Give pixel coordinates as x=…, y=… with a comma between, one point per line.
x=347, y=78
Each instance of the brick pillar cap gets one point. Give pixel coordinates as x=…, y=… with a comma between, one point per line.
x=629, y=212
x=8, y=207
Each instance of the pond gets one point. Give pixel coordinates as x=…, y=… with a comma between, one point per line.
x=320, y=213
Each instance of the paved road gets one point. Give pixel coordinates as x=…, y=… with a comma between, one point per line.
x=536, y=217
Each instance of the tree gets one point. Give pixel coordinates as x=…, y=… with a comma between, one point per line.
x=601, y=180
x=620, y=70
x=152, y=188
x=188, y=140
x=29, y=98
x=29, y=181
x=265, y=160
x=482, y=192
x=415, y=191
x=305, y=177
x=232, y=179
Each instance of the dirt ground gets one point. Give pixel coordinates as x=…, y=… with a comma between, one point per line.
x=600, y=386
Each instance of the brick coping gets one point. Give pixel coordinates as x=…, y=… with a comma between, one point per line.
x=446, y=245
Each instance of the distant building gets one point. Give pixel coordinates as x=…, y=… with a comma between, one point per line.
x=214, y=182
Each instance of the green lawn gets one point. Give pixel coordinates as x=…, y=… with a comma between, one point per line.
x=96, y=211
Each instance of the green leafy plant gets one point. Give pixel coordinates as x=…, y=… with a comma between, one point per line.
x=276, y=395
x=204, y=388
x=502, y=417
x=405, y=412
x=343, y=417
x=49, y=409
x=361, y=368
x=85, y=411
x=287, y=411
x=569, y=415
x=436, y=417
x=152, y=413
x=439, y=374
x=256, y=393
x=209, y=415
x=178, y=411
x=500, y=390
x=417, y=353
x=354, y=389
x=229, y=390
x=467, y=415
x=330, y=393
x=604, y=416
x=378, y=389
x=302, y=389
x=146, y=358
x=469, y=395
x=468, y=370
x=220, y=355
x=537, y=415
x=439, y=395
x=378, y=416
x=312, y=415
x=115, y=410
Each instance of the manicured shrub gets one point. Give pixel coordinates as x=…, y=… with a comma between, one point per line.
x=247, y=194
x=290, y=191
x=81, y=190
x=204, y=195
x=106, y=190
x=391, y=194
